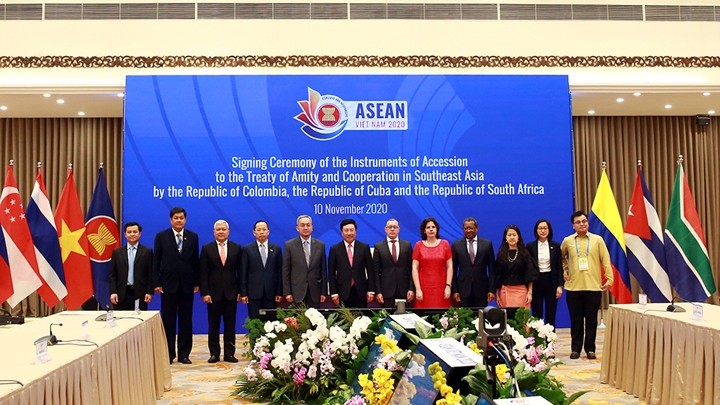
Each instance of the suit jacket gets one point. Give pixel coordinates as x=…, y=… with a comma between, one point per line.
x=257, y=280
x=479, y=274
x=218, y=280
x=556, y=269
x=298, y=277
x=142, y=272
x=393, y=276
x=341, y=273
x=172, y=270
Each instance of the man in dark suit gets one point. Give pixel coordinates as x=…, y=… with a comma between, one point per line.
x=176, y=278
x=474, y=267
x=304, y=266
x=352, y=276
x=392, y=261
x=219, y=282
x=261, y=272
x=131, y=272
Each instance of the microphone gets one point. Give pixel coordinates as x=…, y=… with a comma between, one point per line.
x=52, y=339
x=675, y=308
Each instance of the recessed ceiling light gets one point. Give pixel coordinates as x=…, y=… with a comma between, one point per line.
x=711, y=111
x=81, y=113
x=619, y=99
x=60, y=101
x=3, y=107
x=637, y=93
x=591, y=112
x=121, y=94
x=707, y=93
x=668, y=106
x=46, y=95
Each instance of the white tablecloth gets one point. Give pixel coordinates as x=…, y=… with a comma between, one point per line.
x=130, y=366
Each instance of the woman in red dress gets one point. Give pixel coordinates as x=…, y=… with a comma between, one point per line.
x=432, y=267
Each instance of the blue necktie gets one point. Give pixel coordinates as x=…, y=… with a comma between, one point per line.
x=131, y=265
x=179, y=242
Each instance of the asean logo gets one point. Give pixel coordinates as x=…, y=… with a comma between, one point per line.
x=103, y=234
x=324, y=116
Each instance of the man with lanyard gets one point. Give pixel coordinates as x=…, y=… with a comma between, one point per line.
x=585, y=257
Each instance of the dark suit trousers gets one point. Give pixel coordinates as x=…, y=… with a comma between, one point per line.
x=583, y=307
x=476, y=299
x=255, y=305
x=544, y=295
x=176, y=313
x=226, y=311
x=128, y=302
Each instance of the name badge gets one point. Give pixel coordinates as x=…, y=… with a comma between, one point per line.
x=41, y=351
x=583, y=264
x=697, y=313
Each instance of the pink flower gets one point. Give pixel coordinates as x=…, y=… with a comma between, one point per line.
x=292, y=321
x=356, y=400
x=444, y=322
x=299, y=375
x=265, y=360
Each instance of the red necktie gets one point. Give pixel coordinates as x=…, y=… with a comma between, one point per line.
x=223, y=254
x=394, y=250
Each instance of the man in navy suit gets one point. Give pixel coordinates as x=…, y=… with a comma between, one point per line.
x=126, y=286
x=304, y=266
x=474, y=267
x=261, y=272
x=219, y=282
x=392, y=260
x=351, y=271
x=175, y=277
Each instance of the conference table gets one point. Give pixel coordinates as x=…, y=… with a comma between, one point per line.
x=129, y=365
x=663, y=357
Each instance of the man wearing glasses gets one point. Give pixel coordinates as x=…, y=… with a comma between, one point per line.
x=585, y=258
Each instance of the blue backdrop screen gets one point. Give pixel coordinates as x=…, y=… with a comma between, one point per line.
x=369, y=147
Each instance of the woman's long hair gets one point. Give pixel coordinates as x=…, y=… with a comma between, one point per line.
x=502, y=255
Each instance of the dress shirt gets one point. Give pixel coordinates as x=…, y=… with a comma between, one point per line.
x=544, y=257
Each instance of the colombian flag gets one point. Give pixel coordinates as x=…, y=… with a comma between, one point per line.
x=605, y=221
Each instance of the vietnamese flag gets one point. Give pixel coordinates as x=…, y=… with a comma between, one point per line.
x=73, y=245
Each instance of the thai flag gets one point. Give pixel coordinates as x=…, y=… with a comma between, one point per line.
x=644, y=241
x=103, y=236
x=47, y=245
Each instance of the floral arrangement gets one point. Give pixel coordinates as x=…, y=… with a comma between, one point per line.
x=303, y=356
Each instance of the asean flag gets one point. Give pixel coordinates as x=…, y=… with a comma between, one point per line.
x=103, y=237
x=73, y=245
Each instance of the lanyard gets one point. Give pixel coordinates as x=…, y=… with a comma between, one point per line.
x=577, y=251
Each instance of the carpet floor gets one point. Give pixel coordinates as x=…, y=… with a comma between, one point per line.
x=204, y=383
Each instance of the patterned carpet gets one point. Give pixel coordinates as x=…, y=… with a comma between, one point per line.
x=203, y=383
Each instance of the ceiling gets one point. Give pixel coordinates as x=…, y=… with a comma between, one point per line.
x=603, y=101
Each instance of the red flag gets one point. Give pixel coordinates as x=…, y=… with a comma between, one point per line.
x=74, y=245
x=18, y=241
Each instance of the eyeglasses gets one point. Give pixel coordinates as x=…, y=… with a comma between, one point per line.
x=392, y=227
x=542, y=228
x=580, y=222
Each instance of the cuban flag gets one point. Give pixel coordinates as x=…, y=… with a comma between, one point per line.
x=103, y=237
x=644, y=241
x=47, y=245
x=605, y=221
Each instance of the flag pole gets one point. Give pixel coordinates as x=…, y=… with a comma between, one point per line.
x=605, y=300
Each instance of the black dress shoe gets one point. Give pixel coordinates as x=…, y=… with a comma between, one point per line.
x=591, y=356
x=213, y=359
x=185, y=361
x=574, y=355
x=231, y=359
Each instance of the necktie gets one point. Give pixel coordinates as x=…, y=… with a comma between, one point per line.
x=263, y=253
x=394, y=250
x=471, y=250
x=306, y=247
x=131, y=266
x=179, y=241
x=223, y=253
x=350, y=254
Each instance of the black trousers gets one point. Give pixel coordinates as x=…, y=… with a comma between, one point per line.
x=474, y=299
x=583, y=307
x=128, y=302
x=255, y=305
x=176, y=313
x=222, y=310
x=544, y=296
